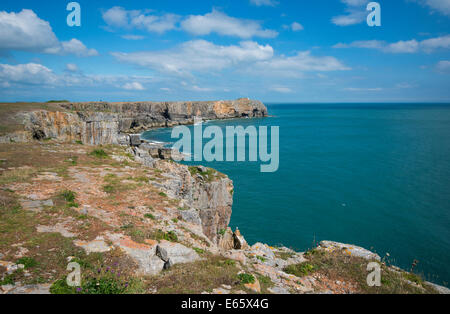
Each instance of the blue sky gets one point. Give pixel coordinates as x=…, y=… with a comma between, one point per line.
x=275, y=51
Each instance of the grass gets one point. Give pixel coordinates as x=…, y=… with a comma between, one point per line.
x=17, y=176
x=210, y=175
x=115, y=185
x=199, y=251
x=99, y=153
x=246, y=279
x=262, y=259
x=28, y=262
x=339, y=266
x=284, y=255
x=162, y=194
x=69, y=197
x=299, y=270
x=149, y=216
x=194, y=278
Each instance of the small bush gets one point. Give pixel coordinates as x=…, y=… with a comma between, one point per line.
x=109, y=189
x=28, y=262
x=262, y=259
x=299, y=270
x=163, y=194
x=69, y=196
x=246, y=278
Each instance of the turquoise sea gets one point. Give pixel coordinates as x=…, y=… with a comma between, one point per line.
x=374, y=175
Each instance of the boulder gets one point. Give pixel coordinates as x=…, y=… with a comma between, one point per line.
x=239, y=241
x=226, y=242
x=135, y=139
x=349, y=249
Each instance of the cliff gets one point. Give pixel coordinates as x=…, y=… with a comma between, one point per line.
x=99, y=123
x=129, y=210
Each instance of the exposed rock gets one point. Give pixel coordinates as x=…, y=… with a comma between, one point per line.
x=97, y=123
x=236, y=256
x=278, y=290
x=213, y=199
x=135, y=139
x=29, y=289
x=162, y=253
x=239, y=241
x=191, y=216
x=349, y=249
x=97, y=246
x=255, y=287
x=226, y=242
x=178, y=253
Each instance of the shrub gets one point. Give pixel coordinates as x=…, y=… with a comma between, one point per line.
x=246, y=278
x=199, y=251
x=299, y=270
x=28, y=262
x=149, y=216
x=68, y=196
x=163, y=194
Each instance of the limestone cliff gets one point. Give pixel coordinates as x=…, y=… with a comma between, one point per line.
x=98, y=123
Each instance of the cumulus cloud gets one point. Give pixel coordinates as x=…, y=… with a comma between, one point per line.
x=295, y=66
x=260, y=3
x=71, y=67
x=441, y=6
x=118, y=17
x=443, y=66
x=402, y=46
x=30, y=73
x=222, y=24
x=23, y=75
x=281, y=89
x=198, y=55
x=133, y=86
x=25, y=31
x=295, y=27
x=355, y=13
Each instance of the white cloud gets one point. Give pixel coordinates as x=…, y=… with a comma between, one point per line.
x=132, y=37
x=133, y=86
x=118, y=17
x=296, y=27
x=198, y=55
x=357, y=89
x=443, y=66
x=71, y=67
x=222, y=24
x=441, y=6
x=281, y=89
x=23, y=75
x=295, y=66
x=260, y=3
x=30, y=73
x=408, y=46
x=355, y=13
x=25, y=31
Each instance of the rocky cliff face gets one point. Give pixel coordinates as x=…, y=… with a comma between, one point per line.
x=207, y=195
x=105, y=123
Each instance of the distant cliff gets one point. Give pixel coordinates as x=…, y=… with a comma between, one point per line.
x=96, y=123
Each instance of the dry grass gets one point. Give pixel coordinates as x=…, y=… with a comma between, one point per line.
x=337, y=266
x=197, y=277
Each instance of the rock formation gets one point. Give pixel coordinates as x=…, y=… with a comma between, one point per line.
x=98, y=123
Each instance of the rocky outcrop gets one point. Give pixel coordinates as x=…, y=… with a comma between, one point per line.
x=205, y=197
x=97, y=123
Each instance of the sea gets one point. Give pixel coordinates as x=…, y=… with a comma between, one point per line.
x=372, y=175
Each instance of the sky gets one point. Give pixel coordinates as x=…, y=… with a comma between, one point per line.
x=271, y=50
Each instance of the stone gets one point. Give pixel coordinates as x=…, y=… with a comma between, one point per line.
x=135, y=139
x=255, y=287
x=191, y=216
x=178, y=253
x=162, y=254
x=226, y=242
x=85, y=211
x=236, y=256
x=239, y=241
x=278, y=290
x=168, y=264
x=221, y=291
x=349, y=249
x=96, y=246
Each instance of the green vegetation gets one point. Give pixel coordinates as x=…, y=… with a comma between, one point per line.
x=210, y=175
x=246, y=278
x=99, y=153
x=199, y=251
x=163, y=194
x=69, y=197
x=262, y=259
x=284, y=255
x=299, y=270
x=149, y=216
x=222, y=232
x=28, y=262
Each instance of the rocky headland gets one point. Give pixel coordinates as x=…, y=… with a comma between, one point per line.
x=77, y=184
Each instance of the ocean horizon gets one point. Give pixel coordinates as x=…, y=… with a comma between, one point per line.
x=375, y=175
